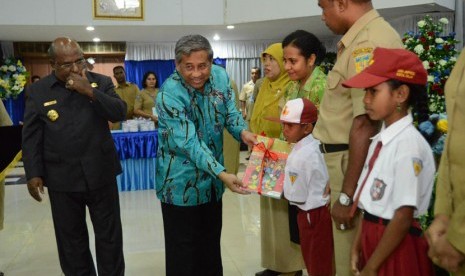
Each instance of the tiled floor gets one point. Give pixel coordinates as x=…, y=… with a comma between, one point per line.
x=27, y=243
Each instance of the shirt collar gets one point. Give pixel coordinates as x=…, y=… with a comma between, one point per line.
x=358, y=26
x=308, y=84
x=387, y=134
x=125, y=84
x=53, y=80
x=304, y=141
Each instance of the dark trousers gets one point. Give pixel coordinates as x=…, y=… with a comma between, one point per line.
x=192, y=239
x=69, y=219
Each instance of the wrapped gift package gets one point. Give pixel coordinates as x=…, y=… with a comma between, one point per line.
x=265, y=172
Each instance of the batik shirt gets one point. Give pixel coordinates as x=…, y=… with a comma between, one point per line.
x=190, y=137
x=312, y=90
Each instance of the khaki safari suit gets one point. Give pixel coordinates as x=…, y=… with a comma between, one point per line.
x=66, y=142
x=341, y=105
x=128, y=93
x=4, y=121
x=450, y=189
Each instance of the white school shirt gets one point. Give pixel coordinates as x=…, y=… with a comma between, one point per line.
x=403, y=173
x=306, y=175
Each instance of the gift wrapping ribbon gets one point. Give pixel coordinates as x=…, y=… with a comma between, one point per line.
x=267, y=155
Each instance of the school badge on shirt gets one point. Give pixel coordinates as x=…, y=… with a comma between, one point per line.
x=293, y=177
x=377, y=189
x=417, y=166
x=362, y=58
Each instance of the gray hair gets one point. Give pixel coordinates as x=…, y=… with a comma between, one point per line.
x=63, y=42
x=192, y=43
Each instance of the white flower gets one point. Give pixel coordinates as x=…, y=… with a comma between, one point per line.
x=439, y=40
x=453, y=59
x=4, y=68
x=430, y=78
x=419, y=49
x=442, y=62
x=444, y=21
x=426, y=65
x=421, y=23
x=12, y=68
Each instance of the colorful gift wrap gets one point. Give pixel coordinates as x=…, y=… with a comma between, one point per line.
x=265, y=172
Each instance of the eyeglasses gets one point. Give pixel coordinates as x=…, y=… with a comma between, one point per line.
x=67, y=66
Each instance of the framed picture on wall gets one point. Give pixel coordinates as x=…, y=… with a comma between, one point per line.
x=118, y=9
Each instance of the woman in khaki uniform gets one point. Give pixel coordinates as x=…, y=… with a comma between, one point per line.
x=146, y=99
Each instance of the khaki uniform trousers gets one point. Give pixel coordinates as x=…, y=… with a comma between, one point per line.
x=337, y=166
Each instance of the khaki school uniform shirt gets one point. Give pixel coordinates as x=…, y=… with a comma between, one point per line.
x=341, y=105
x=450, y=189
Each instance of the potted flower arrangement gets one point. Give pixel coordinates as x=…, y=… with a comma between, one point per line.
x=13, y=78
x=438, y=53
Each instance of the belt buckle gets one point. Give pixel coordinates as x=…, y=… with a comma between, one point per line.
x=324, y=148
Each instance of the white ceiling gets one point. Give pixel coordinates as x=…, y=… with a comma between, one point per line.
x=265, y=30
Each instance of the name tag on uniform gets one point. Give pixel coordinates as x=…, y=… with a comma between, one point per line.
x=50, y=103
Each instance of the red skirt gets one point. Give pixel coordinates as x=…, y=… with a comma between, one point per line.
x=316, y=240
x=409, y=258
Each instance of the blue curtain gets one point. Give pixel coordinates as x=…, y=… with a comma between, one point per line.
x=15, y=108
x=135, y=70
x=220, y=61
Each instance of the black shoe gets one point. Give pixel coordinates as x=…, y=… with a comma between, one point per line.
x=247, y=158
x=1, y=273
x=268, y=272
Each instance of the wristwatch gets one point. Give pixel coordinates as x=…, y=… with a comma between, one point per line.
x=344, y=199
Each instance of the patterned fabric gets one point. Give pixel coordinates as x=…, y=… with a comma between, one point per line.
x=312, y=90
x=190, y=135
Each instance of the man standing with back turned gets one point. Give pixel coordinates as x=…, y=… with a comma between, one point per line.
x=343, y=127
x=68, y=147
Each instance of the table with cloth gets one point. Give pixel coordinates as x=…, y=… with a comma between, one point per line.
x=137, y=152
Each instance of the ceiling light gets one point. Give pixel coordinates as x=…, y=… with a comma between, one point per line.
x=96, y=39
x=216, y=37
x=90, y=28
x=230, y=27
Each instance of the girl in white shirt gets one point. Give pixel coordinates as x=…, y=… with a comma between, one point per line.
x=396, y=183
